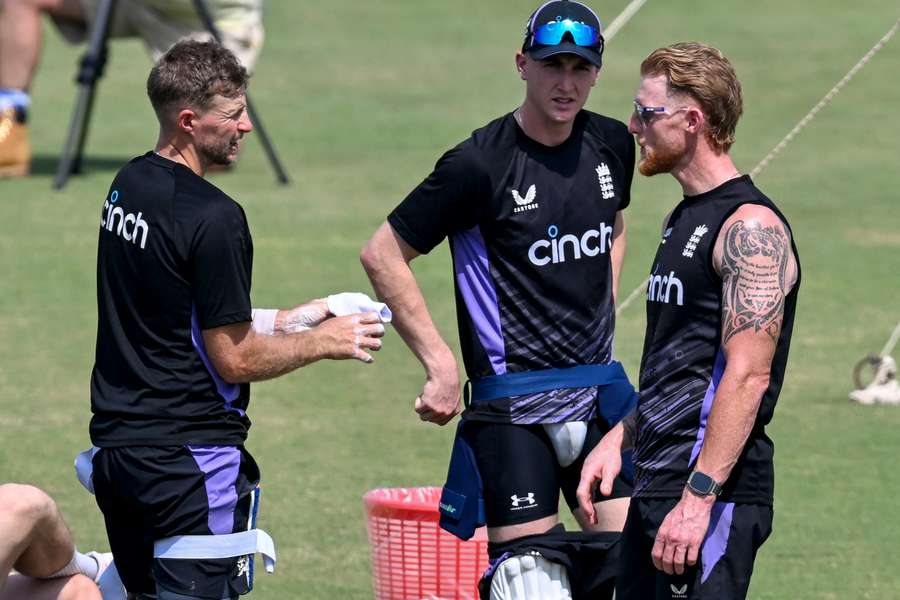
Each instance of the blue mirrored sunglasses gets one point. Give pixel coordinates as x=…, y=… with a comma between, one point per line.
x=552, y=33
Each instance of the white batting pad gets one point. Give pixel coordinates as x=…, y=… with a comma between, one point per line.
x=530, y=577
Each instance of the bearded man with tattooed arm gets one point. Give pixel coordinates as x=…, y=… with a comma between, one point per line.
x=721, y=298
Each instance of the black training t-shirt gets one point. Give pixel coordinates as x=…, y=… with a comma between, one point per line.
x=174, y=258
x=530, y=230
x=683, y=360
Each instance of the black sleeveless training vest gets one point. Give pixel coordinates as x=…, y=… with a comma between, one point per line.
x=683, y=360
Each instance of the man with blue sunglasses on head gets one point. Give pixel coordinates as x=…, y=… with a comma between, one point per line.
x=532, y=205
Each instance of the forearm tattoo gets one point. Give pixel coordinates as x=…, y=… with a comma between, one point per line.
x=754, y=267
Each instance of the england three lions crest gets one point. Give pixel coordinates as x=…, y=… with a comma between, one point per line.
x=692, y=242
x=606, y=185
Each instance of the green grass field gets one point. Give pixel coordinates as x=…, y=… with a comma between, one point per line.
x=361, y=98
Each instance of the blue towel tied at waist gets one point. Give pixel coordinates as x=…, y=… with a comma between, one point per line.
x=616, y=398
x=461, y=504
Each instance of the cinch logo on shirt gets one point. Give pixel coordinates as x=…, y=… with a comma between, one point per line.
x=660, y=287
x=544, y=252
x=127, y=225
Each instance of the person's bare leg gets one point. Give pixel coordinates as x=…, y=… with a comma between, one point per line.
x=76, y=587
x=511, y=532
x=611, y=515
x=20, y=36
x=34, y=539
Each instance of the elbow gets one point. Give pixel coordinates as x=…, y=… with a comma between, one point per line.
x=368, y=258
x=749, y=373
x=233, y=371
x=372, y=259
x=231, y=375
x=758, y=382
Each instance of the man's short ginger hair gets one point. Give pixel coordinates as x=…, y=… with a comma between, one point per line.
x=704, y=74
x=191, y=74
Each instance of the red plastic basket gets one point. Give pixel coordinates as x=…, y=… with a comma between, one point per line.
x=412, y=557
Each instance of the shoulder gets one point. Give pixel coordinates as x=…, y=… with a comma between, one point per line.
x=467, y=158
x=612, y=132
x=609, y=129
x=754, y=217
x=199, y=202
x=665, y=222
x=755, y=212
x=145, y=168
x=202, y=194
x=500, y=130
x=494, y=140
x=146, y=185
x=753, y=241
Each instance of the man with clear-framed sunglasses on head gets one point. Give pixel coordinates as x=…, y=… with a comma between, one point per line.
x=721, y=298
x=532, y=204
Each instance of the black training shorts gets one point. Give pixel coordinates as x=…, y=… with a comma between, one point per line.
x=736, y=531
x=521, y=475
x=150, y=493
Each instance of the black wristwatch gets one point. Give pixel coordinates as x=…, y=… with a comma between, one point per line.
x=703, y=485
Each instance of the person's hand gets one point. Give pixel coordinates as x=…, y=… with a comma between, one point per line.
x=681, y=534
x=351, y=336
x=439, y=401
x=601, y=466
x=302, y=317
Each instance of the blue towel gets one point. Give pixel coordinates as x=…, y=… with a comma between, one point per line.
x=462, y=504
x=616, y=395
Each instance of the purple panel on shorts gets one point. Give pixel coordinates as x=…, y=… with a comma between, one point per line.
x=473, y=276
x=228, y=391
x=718, y=369
x=220, y=465
x=716, y=537
x=494, y=563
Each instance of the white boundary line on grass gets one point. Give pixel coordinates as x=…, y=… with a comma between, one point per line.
x=623, y=18
x=825, y=100
x=784, y=142
x=892, y=341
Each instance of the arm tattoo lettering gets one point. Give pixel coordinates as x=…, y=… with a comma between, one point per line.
x=754, y=266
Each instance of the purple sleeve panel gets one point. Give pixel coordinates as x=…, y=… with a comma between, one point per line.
x=716, y=541
x=220, y=465
x=228, y=391
x=718, y=370
x=473, y=276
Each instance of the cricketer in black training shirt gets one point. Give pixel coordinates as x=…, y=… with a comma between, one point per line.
x=530, y=230
x=173, y=294
x=174, y=258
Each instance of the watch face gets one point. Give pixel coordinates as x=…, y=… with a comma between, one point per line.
x=701, y=483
